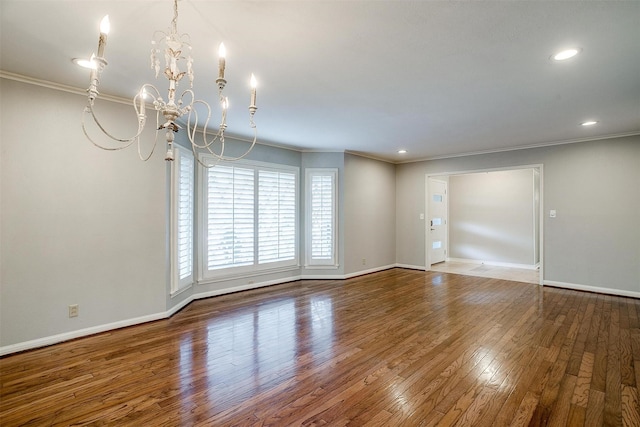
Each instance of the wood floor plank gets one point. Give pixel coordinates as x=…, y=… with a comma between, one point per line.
x=630, y=406
x=613, y=382
x=595, y=409
x=393, y=348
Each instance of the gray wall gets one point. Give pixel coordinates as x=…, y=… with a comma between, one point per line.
x=78, y=225
x=370, y=214
x=491, y=217
x=594, y=241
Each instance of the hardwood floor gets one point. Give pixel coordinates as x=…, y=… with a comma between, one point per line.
x=399, y=347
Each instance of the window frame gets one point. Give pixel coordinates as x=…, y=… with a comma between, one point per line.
x=204, y=275
x=178, y=284
x=311, y=262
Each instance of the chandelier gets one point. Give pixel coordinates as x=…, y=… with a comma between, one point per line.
x=174, y=47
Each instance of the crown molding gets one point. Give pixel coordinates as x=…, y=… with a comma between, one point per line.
x=57, y=86
x=524, y=147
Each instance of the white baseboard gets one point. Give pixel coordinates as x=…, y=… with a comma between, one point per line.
x=322, y=277
x=55, y=339
x=369, y=271
x=587, y=288
x=495, y=263
x=411, y=267
x=247, y=287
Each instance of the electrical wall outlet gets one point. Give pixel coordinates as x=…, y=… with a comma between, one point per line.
x=364, y=261
x=73, y=310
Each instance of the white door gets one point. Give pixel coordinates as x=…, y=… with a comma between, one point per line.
x=437, y=220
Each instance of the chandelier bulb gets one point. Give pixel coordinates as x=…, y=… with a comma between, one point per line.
x=105, y=25
x=222, y=53
x=254, y=83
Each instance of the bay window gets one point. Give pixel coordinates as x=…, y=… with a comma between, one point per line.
x=248, y=219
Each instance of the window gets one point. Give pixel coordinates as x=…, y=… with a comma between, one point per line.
x=248, y=218
x=182, y=214
x=321, y=217
x=276, y=216
x=230, y=217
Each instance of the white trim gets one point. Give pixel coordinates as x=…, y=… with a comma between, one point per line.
x=177, y=292
x=597, y=289
x=321, y=267
x=322, y=277
x=246, y=274
x=495, y=263
x=246, y=287
x=369, y=271
x=62, y=88
x=176, y=308
x=541, y=226
x=309, y=173
x=411, y=267
x=178, y=285
x=66, y=336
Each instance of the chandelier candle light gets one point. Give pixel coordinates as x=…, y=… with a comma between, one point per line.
x=173, y=108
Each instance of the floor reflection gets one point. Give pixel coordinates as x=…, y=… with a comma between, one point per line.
x=322, y=324
x=253, y=347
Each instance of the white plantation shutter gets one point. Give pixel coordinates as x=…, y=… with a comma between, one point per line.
x=230, y=217
x=185, y=217
x=249, y=219
x=321, y=217
x=276, y=216
x=182, y=219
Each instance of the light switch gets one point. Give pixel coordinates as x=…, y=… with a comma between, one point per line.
x=421, y=216
x=552, y=213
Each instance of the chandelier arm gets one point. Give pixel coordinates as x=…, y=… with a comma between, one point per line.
x=155, y=141
x=189, y=105
x=253, y=143
x=208, y=166
x=146, y=89
x=126, y=143
x=192, y=132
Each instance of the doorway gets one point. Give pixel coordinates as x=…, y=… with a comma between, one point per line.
x=471, y=245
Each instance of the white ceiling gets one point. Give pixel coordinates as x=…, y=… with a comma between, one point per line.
x=436, y=78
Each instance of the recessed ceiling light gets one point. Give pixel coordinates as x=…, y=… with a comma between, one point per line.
x=566, y=54
x=588, y=123
x=402, y=151
x=85, y=63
